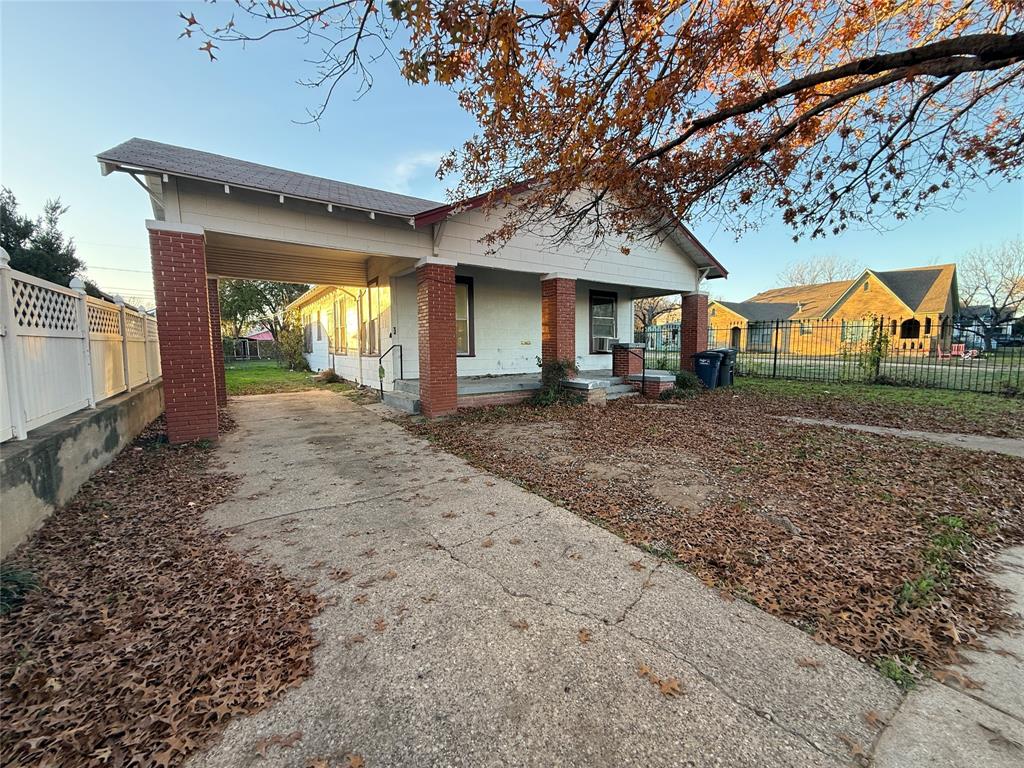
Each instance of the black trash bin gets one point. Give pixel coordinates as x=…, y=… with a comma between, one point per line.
x=706, y=365
x=727, y=369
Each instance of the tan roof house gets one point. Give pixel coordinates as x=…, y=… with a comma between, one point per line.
x=914, y=307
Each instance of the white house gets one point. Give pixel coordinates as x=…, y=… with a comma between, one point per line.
x=401, y=282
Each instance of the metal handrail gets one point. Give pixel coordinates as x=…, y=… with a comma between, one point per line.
x=380, y=365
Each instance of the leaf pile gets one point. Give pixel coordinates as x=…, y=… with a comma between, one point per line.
x=842, y=534
x=1006, y=420
x=148, y=632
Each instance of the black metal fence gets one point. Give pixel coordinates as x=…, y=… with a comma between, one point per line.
x=918, y=352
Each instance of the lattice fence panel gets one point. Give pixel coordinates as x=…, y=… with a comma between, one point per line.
x=41, y=309
x=104, y=320
x=135, y=326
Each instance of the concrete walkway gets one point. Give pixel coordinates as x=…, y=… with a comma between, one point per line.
x=475, y=624
x=973, y=721
x=1010, y=446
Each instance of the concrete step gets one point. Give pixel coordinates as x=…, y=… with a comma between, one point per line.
x=402, y=401
x=616, y=395
x=411, y=386
x=620, y=388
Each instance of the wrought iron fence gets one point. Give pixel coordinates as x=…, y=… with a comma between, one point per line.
x=918, y=351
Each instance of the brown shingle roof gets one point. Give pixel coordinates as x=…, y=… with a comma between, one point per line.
x=180, y=161
x=923, y=289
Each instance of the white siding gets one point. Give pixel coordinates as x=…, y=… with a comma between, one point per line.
x=657, y=265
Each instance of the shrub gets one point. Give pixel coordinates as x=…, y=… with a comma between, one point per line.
x=552, y=374
x=291, y=347
x=677, y=393
x=14, y=583
x=687, y=380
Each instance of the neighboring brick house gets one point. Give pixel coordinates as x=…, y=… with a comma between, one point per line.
x=392, y=272
x=915, y=308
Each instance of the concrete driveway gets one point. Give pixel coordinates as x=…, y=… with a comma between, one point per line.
x=484, y=626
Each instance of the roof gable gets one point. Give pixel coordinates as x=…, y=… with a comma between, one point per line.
x=813, y=300
x=759, y=312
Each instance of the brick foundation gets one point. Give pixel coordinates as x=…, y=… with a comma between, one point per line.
x=652, y=389
x=215, y=341
x=435, y=299
x=694, y=328
x=186, y=356
x=558, y=319
x=627, y=359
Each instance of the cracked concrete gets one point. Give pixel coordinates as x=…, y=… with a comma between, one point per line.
x=452, y=631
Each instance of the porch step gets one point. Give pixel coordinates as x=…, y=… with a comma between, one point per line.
x=402, y=401
x=409, y=386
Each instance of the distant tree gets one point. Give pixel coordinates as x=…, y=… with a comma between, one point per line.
x=647, y=310
x=251, y=302
x=38, y=247
x=992, y=284
x=819, y=269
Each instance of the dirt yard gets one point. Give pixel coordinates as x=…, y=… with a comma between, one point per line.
x=871, y=543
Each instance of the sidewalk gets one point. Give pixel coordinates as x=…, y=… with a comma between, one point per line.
x=974, y=718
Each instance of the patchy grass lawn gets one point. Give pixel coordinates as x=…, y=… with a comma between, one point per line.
x=264, y=377
x=142, y=633
x=904, y=407
x=874, y=544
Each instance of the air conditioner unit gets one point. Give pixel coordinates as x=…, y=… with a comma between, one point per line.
x=604, y=343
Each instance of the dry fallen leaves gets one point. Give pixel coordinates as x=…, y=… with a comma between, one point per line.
x=390, y=575
x=856, y=750
x=362, y=599
x=947, y=676
x=488, y=542
x=583, y=635
x=171, y=595
x=637, y=565
x=520, y=624
x=355, y=761
x=847, y=494
x=873, y=719
x=379, y=625
x=670, y=687
x=806, y=661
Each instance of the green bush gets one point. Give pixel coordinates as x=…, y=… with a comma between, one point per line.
x=291, y=346
x=687, y=380
x=14, y=583
x=677, y=393
x=551, y=376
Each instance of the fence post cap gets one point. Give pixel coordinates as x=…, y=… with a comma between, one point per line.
x=77, y=285
x=5, y=259
x=119, y=300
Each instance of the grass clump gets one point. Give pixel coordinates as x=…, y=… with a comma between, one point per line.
x=15, y=583
x=899, y=669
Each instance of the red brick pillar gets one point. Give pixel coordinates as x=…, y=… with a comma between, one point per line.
x=435, y=299
x=694, y=328
x=215, y=341
x=627, y=359
x=183, y=320
x=558, y=319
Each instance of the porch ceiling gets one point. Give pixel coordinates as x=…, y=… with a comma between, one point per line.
x=258, y=259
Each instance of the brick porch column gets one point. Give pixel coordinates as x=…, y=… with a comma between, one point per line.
x=693, y=333
x=435, y=301
x=558, y=319
x=215, y=341
x=183, y=320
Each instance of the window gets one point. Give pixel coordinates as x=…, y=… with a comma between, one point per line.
x=865, y=285
x=910, y=329
x=927, y=326
x=340, y=331
x=319, y=327
x=307, y=335
x=806, y=327
x=464, y=342
x=854, y=330
x=370, y=310
x=602, y=321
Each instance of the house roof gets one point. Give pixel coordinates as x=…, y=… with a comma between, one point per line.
x=807, y=301
x=924, y=290
x=206, y=166
x=154, y=156
x=757, y=312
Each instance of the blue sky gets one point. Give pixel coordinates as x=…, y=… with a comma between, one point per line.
x=78, y=78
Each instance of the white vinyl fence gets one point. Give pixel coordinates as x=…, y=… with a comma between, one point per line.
x=61, y=351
